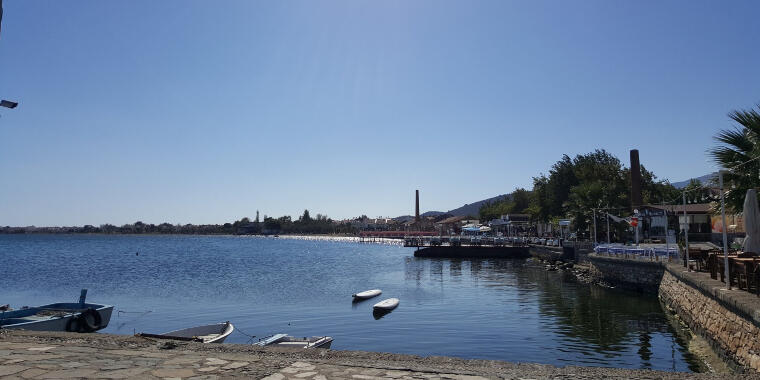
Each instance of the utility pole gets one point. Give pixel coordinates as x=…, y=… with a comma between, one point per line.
x=723, y=219
x=607, y=218
x=686, y=231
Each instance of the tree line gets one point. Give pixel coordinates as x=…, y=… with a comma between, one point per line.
x=599, y=180
x=574, y=186
x=305, y=224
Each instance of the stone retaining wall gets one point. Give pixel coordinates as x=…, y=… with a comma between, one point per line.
x=727, y=319
x=552, y=253
x=641, y=276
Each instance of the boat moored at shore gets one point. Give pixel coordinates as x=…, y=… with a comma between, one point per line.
x=214, y=333
x=285, y=340
x=72, y=317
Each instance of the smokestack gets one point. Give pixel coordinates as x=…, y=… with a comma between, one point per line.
x=636, y=199
x=416, y=206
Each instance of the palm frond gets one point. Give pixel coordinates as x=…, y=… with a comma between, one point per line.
x=749, y=119
x=736, y=138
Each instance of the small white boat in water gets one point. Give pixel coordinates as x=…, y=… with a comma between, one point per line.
x=215, y=333
x=367, y=294
x=284, y=340
x=386, y=305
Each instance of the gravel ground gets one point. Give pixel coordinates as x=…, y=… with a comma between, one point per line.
x=68, y=355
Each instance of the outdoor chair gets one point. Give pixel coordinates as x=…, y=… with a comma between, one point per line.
x=739, y=272
x=756, y=277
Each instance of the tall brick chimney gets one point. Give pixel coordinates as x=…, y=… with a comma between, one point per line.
x=416, y=206
x=636, y=199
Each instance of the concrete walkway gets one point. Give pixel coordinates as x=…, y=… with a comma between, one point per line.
x=38, y=355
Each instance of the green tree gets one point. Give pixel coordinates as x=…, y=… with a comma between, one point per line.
x=735, y=147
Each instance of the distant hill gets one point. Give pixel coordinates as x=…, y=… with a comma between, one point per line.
x=705, y=179
x=406, y=218
x=468, y=209
x=474, y=208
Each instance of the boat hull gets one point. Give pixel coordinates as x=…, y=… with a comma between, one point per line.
x=367, y=294
x=216, y=333
x=386, y=305
x=284, y=340
x=61, y=320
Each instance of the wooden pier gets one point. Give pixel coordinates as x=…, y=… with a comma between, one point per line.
x=465, y=247
x=462, y=241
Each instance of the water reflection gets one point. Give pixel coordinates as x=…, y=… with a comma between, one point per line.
x=487, y=309
x=601, y=326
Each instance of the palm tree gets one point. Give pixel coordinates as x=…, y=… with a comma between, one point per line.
x=737, y=146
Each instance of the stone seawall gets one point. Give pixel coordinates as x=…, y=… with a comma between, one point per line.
x=641, y=276
x=552, y=254
x=470, y=252
x=728, y=319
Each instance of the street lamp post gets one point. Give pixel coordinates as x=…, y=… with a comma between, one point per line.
x=686, y=231
x=667, y=243
x=607, y=218
x=723, y=219
x=594, y=212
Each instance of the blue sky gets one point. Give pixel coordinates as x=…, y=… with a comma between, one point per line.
x=204, y=112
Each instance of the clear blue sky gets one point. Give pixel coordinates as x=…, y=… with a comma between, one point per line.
x=204, y=112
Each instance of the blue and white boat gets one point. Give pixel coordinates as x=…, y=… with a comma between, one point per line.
x=285, y=340
x=74, y=317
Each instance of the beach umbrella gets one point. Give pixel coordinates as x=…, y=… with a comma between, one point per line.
x=751, y=223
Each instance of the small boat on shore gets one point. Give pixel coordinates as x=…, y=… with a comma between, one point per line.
x=215, y=333
x=367, y=294
x=386, y=305
x=285, y=340
x=73, y=317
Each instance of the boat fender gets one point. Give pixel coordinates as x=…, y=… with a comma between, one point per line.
x=90, y=320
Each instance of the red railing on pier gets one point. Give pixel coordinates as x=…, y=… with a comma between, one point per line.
x=395, y=234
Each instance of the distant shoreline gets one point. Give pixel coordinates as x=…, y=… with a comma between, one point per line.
x=315, y=237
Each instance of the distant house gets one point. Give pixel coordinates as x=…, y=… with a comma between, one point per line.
x=379, y=224
x=510, y=224
x=703, y=224
x=248, y=229
x=452, y=225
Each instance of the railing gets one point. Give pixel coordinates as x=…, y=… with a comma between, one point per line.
x=456, y=240
x=651, y=253
x=578, y=244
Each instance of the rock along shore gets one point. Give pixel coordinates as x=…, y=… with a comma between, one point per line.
x=47, y=355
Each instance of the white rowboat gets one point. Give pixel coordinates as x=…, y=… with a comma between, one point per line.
x=367, y=294
x=215, y=333
x=386, y=305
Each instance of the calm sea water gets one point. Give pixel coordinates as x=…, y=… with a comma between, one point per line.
x=492, y=309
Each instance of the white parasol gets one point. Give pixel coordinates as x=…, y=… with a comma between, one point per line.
x=751, y=223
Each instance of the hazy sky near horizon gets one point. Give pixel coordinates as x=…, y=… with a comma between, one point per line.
x=204, y=112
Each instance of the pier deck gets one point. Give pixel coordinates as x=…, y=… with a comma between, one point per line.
x=45, y=355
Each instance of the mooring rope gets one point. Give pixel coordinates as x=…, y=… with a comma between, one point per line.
x=250, y=337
